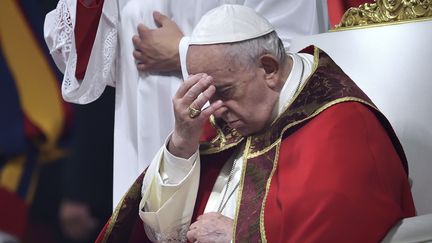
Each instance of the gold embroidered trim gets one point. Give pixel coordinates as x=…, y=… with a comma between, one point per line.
x=221, y=136
x=314, y=67
x=134, y=190
x=240, y=190
x=112, y=220
x=275, y=164
x=220, y=149
x=334, y=102
x=316, y=59
x=278, y=143
x=386, y=11
x=219, y=132
x=263, y=151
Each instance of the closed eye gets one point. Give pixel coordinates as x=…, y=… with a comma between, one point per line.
x=224, y=93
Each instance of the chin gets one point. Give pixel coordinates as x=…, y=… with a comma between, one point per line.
x=244, y=134
x=244, y=131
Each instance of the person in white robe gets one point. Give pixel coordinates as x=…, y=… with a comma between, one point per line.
x=143, y=116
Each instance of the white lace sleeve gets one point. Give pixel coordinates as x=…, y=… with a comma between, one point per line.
x=58, y=30
x=101, y=68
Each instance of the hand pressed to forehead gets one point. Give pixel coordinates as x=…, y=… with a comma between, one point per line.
x=189, y=120
x=196, y=91
x=200, y=90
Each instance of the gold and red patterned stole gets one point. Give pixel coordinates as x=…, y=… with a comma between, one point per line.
x=326, y=86
x=125, y=225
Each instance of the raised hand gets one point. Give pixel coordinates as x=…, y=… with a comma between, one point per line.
x=189, y=119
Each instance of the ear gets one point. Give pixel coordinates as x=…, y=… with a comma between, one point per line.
x=271, y=68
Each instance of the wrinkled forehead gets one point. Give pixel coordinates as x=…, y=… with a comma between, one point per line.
x=205, y=59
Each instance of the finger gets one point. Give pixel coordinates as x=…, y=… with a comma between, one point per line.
x=220, y=111
x=194, y=225
x=191, y=235
x=207, y=112
x=142, y=67
x=187, y=84
x=193, y=93
x=138, y=55
x=142, y=29
x=202, y=98
x=136, y=41
x=160, y=19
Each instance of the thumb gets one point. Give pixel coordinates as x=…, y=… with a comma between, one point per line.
x=160, y=19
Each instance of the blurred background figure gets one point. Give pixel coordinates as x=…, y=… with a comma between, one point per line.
x=87, y=184
x=55, y=158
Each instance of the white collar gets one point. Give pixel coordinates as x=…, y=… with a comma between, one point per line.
x=300, y=71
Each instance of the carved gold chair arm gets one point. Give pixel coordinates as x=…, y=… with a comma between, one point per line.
x=386, y=11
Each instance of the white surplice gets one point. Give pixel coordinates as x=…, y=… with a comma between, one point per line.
x=143, y=108
x=170, y=186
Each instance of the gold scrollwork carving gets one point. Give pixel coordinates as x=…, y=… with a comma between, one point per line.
x=384, y=11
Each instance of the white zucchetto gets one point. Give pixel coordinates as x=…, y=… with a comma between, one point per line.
x=229, y=23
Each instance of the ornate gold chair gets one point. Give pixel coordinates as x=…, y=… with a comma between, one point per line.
x=386, y=48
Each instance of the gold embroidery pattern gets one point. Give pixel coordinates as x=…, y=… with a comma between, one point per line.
x=256, y=175
x=126, y=210
x=240, y=192
x=267, y=188
x=327, y=86
x=386, y=11
x=227, y=138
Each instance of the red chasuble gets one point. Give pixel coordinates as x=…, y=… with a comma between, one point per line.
x=329, y=169
x=338, y=179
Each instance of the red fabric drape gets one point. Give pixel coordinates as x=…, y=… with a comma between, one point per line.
x=13, y=212
x=85, y=32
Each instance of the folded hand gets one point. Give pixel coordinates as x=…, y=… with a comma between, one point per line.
x=211, y=227
x=156, y=50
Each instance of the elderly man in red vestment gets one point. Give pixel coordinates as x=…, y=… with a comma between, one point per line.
x=296, y=152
